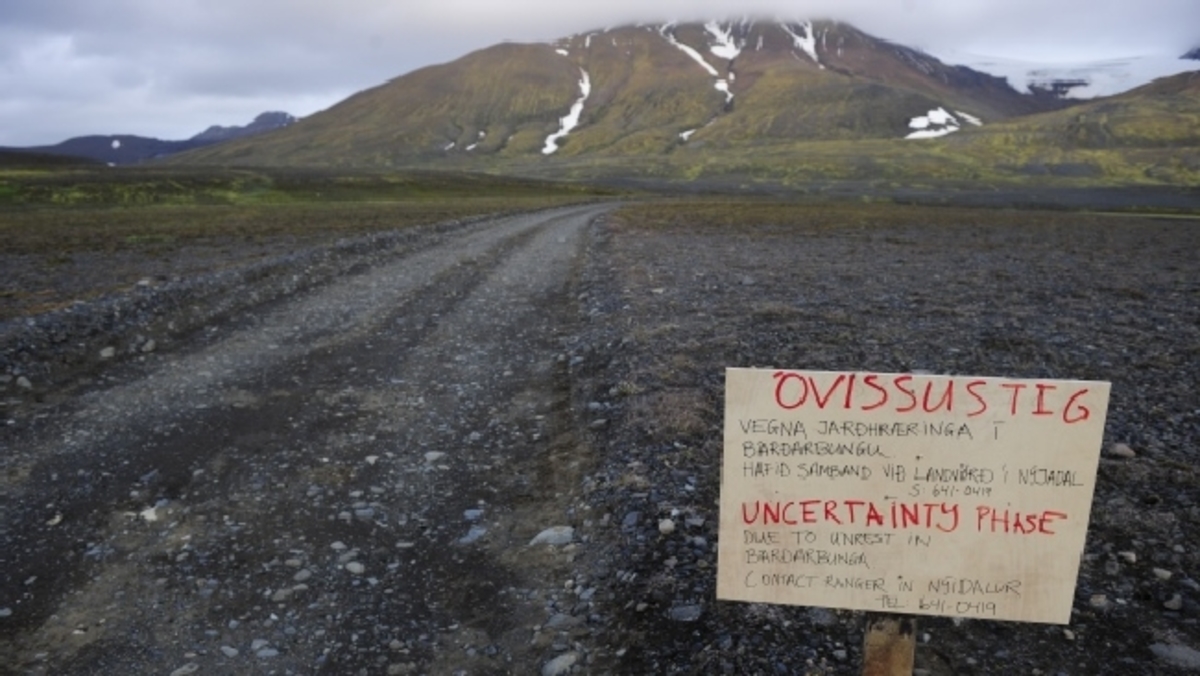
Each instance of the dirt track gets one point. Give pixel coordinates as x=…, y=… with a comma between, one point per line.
x=349, y=481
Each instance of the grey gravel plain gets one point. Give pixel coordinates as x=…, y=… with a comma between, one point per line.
x=347, y=477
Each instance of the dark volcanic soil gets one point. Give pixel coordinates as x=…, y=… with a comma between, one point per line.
x=1019, y=294
x=347, y=478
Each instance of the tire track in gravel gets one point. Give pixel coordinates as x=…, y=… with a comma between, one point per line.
x=349, y=484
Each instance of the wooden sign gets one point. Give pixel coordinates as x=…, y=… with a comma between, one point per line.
x=929, y=495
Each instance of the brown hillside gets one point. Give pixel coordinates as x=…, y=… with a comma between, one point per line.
x=650, y=95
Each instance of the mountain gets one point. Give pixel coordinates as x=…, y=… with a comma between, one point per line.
x=786, y=103
x=115, y=149
x=643, y=90
x=1148, y=135
x=1084, y=80
x=265, y=122
x=121, y=149
x=1164, y=114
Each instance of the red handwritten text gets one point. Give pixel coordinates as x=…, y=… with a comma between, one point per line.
x=899, y=515
x=940, y=516
x=913, y=394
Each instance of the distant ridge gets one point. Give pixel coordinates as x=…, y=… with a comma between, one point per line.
x=263, y=123
x=122, y=149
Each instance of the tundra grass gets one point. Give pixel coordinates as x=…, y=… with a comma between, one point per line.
x=106, y=210
x=72, y=235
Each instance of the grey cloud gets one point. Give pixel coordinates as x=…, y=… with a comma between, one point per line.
x=177, y=67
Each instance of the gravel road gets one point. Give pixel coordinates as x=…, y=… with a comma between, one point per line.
x=345, y=483
x=349, y=477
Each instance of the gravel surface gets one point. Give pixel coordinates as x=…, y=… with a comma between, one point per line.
x=1059, y=296
x=494, y=448
x=345, y=482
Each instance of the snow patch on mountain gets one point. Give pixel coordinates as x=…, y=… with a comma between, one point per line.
x=726, y=45
x=571, y=120
x=563, y=52
x=685, y=135
x=807, y=43
x=935, y=123
x=665, y=31
x=1083, y=80
x=971, y=119
x=721, y=85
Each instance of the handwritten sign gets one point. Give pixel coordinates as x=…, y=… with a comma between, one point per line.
x=930, y=495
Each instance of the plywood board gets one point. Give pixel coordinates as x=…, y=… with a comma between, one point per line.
x=932, y=495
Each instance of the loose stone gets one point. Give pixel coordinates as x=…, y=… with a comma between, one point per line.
x=1177, y=655
x=560, y=665
x=1119, y=450
x=686, y=613
x=473, y=534
x=555, y=535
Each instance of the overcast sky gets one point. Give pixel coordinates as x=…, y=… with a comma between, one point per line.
x=170, y=68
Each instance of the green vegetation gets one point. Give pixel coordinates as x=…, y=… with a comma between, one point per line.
x=156, y=186
x=16, y=160
x=110, y=209
x=76, y=233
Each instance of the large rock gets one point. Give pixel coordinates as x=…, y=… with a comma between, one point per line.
x=556, y=535
x=560, y=665
x=1177, y=655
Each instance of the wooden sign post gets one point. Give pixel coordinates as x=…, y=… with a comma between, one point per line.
x=907, y=494
x=889, y=645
